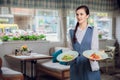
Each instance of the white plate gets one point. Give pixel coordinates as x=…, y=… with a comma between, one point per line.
x=68, y=53
x=88, y=53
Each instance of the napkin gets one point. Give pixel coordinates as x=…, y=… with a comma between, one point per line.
x=94, y=65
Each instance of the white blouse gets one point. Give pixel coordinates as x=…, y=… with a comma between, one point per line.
x=80, y=34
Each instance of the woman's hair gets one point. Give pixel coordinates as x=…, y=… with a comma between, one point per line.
x=87, y=12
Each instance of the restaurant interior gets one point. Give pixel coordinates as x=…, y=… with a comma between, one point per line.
x=31, y=31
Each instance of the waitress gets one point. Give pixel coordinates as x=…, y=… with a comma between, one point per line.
x=83, y=37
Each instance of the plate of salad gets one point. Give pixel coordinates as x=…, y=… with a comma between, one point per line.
x=67, y=56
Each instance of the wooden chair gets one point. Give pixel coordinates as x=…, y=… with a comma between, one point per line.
x=1, y=77
x=111, y=55
x=9, y=74
x=57, y=70
x=110, y=50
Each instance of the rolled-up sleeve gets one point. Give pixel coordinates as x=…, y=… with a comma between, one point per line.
x=69, y=42
x=95, y=40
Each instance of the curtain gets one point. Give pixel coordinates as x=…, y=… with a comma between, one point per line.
x=95, y=5
x=47, y=4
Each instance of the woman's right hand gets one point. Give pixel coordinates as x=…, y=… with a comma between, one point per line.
x=91, y=60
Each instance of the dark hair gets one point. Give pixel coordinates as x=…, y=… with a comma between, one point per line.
x=87, y=12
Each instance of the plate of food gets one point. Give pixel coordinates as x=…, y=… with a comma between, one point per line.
x=67, y=56
x=95, y=55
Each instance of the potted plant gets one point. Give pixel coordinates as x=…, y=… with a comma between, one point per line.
x=24, y=49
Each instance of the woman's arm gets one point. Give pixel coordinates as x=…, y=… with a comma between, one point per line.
x=69, y=42
x=95, y=40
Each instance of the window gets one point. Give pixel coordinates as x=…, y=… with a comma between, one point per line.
x=41, y=21
x=98, y=19
x=104, y=24
x=47, y=22
x=71, y=20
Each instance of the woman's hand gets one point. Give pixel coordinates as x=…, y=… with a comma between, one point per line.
x=92, y=60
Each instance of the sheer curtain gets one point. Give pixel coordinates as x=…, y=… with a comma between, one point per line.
x=65, y=7
x=101, y=5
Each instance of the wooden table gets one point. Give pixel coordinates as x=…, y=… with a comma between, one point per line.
x=32, y=58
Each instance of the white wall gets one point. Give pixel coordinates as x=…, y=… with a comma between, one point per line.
x=39, y=46
x=118, y=28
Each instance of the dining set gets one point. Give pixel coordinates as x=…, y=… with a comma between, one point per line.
x=29, y=58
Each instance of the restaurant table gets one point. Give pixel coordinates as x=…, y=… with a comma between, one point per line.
x=32, y=59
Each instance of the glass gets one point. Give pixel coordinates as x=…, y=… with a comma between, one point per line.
x=98, y=19
x=38, y=21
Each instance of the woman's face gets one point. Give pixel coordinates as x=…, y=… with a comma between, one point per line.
x=81, y=16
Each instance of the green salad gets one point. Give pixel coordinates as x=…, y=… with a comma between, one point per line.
x=67, y=57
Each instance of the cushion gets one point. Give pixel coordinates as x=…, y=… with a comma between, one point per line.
x=64, y=63
x=9, y=72
x=55, y=54
x=55, y=66
x=112, y=48
x=64, y=49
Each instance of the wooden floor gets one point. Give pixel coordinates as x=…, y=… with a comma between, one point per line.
x=104, y=76
x=111, y=75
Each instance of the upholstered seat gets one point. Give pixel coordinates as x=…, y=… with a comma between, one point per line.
x=9, y=74
x=54, y=66
x=54, y=69
x=110, y=50
x=111, y=55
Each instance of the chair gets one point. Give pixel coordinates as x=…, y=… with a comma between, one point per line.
x=1, y=77
x=110, y=50
x=57, y=70
x=9, y=74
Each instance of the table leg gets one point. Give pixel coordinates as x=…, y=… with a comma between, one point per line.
x=23, y=67
x=21, y=63
x=33, y=70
